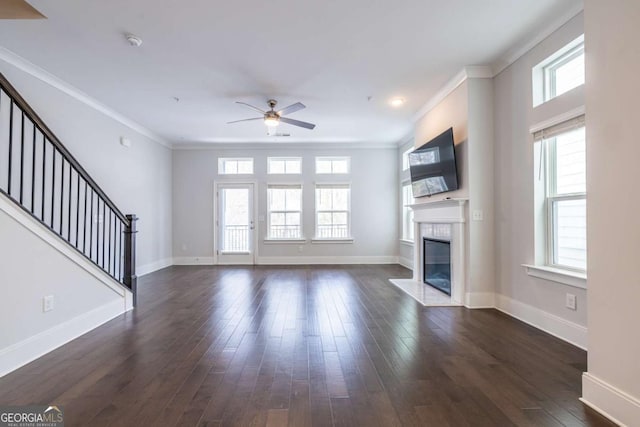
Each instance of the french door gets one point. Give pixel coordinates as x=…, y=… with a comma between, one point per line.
x=235, y=223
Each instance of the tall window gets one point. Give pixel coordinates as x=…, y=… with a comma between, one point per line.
x=235, y=166
x=284, y=165
x=333, y=208
x=407, y=213
x=285, y=211
x=565, y=200
x=405, y=158
x=332, y=165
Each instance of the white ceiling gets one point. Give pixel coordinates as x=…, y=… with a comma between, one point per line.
x=330, y=55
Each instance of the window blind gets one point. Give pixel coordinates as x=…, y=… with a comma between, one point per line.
x=557, y=129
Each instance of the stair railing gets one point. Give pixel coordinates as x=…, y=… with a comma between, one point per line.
x=41, y=176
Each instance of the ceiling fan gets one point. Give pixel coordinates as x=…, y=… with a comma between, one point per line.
x=272, y=118
x=18, y=9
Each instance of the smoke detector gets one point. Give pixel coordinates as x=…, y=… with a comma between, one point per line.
x=133, y=40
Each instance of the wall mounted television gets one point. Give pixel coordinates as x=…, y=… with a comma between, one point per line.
x=433, y=166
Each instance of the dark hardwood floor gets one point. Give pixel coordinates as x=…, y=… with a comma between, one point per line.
x=302, y=346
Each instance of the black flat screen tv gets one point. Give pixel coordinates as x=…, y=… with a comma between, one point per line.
x=433, y=166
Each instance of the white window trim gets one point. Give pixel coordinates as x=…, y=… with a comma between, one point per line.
x=549, y=68
x=539, y=72
x=222, y=160
x=558, y=275
x=268, y=238
x=316, y=239
x=333, y=158
x=283, y=158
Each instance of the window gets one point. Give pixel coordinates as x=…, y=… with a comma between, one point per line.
x=405, y=158
x=285, y=211
x=333, y=211
x=332, y=165
x=284, y=165
x=565, y=73
x=407, y=213
x=565, y=198
x=235, y=166
x=559, y=73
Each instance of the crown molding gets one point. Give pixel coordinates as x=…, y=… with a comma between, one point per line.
x=520, y=49
x=468, y=72
x=316, y=145
x=30, y=68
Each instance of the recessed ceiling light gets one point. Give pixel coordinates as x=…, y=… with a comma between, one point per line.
x=397, y=102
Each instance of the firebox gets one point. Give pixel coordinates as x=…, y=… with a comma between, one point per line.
x=437, y=264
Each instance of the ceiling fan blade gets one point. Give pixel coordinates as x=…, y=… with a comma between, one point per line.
x=246, y=120
x=297, y=123
x=18, y=9
x=292, y=108
x=251, y=106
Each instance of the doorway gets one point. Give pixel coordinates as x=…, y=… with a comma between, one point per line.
x=235, y=223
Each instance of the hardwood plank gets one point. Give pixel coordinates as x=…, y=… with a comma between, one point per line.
x=304, y=346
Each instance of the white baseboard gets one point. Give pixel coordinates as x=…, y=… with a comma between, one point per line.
x=23, y=352
x=327, y=260
x=613, y=403
x=480, y=300
x=561, y=328
x=154, y=266
x=193, y=261
x=405, y=262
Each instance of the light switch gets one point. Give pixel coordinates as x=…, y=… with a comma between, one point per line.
x=477, y=215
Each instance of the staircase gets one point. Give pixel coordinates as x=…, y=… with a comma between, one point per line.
x=40, y=175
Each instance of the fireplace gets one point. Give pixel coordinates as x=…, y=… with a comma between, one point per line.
x=437, y=264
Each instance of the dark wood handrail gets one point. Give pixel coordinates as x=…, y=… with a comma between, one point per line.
x=42, y=127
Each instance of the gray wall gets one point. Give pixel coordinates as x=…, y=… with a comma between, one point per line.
x=514, y=180
x=374, y=201
x=137, y=179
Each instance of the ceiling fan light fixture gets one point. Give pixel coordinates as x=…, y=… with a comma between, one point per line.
x=271, y=121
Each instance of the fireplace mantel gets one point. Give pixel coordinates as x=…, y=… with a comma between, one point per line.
x=446, y=211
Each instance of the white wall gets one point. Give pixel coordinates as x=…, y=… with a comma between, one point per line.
x=374, y=201
x=137, y=179
x=535, y=300
x=83, y=297
x=613, y=149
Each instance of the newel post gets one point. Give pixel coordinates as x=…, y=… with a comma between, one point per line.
x=130, y=278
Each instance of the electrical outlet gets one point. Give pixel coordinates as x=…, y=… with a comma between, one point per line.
x=477, y=215
x=300, y=248
x=184, y=247
x=47, y=303
x=571, y=302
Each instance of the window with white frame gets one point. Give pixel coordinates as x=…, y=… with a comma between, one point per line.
x=284, y=204
x=284, y=165
x=559, y=73
x=332, y=165
x=564, y=73
x=565, y=194
x=333, y=211
x=235, y=166
x=407, y=212
x=405, y=158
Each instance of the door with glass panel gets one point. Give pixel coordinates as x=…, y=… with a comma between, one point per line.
x=235, y=224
